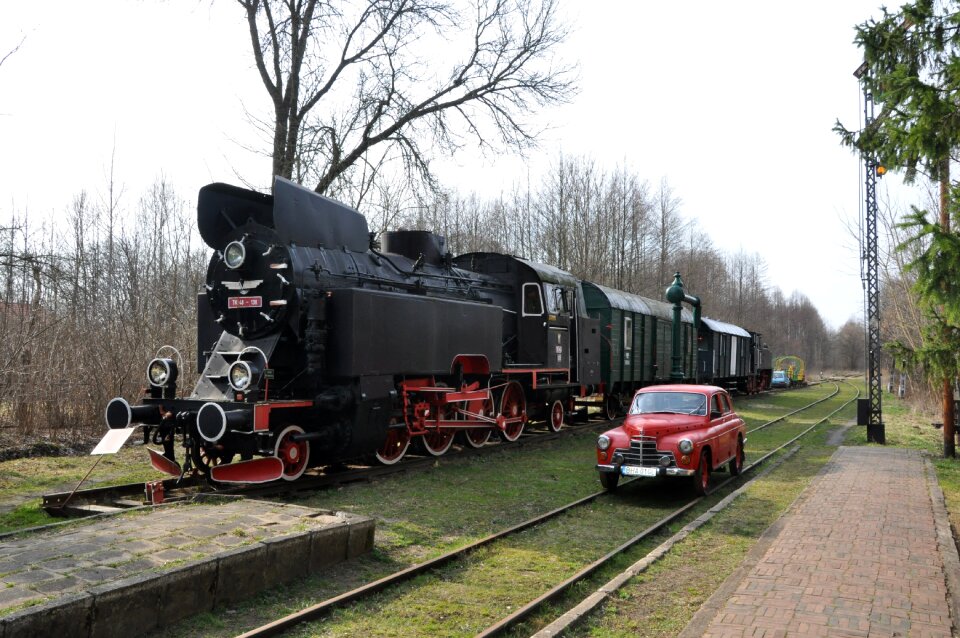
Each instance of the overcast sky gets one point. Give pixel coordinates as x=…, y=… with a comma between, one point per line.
x=733, y=103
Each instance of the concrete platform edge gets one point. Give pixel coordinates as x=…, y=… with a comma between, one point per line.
x=152, y=600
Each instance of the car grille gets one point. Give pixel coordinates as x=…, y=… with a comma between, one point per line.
x=643, y=451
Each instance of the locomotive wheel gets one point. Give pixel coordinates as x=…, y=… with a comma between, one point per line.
x=736, y=463
x=478, y=437
x=437, y=442
x=393, y=449
x=293, y=454
x=701, y=478
x=204, y=458
x=512, y=405
x=555, y=422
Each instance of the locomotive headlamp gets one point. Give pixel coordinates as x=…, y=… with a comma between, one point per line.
x=242, y=375
x=686, y=446
x=603, y=442
x=161, y=372
x=234, y=254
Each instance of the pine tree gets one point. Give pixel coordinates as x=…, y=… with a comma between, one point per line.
x=913, y=63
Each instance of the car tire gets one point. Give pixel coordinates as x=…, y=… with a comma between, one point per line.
x=701, y=478
x=736, y=463
x=609, y=480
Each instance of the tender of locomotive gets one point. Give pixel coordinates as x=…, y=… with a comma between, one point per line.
x=317, y=345
x=674, y=430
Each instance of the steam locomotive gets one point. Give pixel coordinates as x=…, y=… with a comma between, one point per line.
x=318, y=344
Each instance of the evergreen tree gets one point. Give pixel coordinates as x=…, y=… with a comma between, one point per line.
x=913, y=71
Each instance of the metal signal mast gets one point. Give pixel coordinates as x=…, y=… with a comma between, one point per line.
x=873, y=417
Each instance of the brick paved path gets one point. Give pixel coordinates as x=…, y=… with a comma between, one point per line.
x=857, y=556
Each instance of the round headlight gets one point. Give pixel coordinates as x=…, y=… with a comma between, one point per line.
x=161, y=372
x=603, y=442
x=685, y=445
x=234, y=255
x=240, y=376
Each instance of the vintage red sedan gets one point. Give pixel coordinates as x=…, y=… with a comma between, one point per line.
x=674, y=430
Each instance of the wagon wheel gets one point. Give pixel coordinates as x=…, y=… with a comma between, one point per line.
x=512, y=405
x=393, y=449
x=612, y=406
x=701, y=478
x=557, y=414
x=438, y=440
x=293, y=454
x=205, y=457
x=478, y=436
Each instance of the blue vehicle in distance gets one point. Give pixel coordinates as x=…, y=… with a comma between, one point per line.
x=780, y=379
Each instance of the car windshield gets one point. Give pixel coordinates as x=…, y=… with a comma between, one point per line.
x=670, y=403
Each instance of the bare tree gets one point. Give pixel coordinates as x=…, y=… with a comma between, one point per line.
x=360, y=85
x=12, y=51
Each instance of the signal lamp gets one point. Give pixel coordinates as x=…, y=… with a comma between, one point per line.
x=881, y=170
x=161, y=372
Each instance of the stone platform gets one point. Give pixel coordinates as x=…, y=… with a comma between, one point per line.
x=866, y=551
x=126, y=574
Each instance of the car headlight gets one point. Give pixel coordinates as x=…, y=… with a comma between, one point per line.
x=603, y=442
x=241, y=375
x=234, y=255
x=685, y=445
x=161, y=372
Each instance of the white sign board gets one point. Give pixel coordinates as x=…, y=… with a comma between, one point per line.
x=112, y=442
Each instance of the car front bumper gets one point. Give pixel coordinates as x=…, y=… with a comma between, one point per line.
x=661, y=471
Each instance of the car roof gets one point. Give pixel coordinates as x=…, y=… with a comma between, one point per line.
x=682, y=387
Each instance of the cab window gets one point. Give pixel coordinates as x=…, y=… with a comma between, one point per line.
x=532, y=302
x=556, y=299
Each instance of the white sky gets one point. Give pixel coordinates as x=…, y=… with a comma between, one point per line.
x=732, y=102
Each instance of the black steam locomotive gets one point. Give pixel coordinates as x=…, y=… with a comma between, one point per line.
x=317, y=345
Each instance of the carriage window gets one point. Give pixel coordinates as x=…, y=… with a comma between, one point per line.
x=532, y=303
x=628, y=333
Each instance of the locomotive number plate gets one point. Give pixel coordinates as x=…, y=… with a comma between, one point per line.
x=633, y=470
x=244, y=302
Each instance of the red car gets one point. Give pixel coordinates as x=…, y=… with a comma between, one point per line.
x=674, y=430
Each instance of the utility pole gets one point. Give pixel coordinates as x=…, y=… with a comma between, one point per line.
x=870, y=414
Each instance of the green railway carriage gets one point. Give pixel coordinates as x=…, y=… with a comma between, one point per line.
x=636, y=344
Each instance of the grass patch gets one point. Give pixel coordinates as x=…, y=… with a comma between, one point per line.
x=23, y=516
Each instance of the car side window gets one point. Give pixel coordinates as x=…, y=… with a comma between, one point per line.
x=717, y=404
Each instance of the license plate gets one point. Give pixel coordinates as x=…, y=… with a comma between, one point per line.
x=244, y=302
x=633, y=470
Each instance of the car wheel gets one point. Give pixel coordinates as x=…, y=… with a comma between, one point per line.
x=701, y=478
x=609, y=480
x=736, y=463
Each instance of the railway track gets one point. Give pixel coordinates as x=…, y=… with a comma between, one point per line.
x=99, y=501
x=113, y=499
x=360, y=593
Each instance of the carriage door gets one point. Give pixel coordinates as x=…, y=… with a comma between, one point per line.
x=533, y=326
